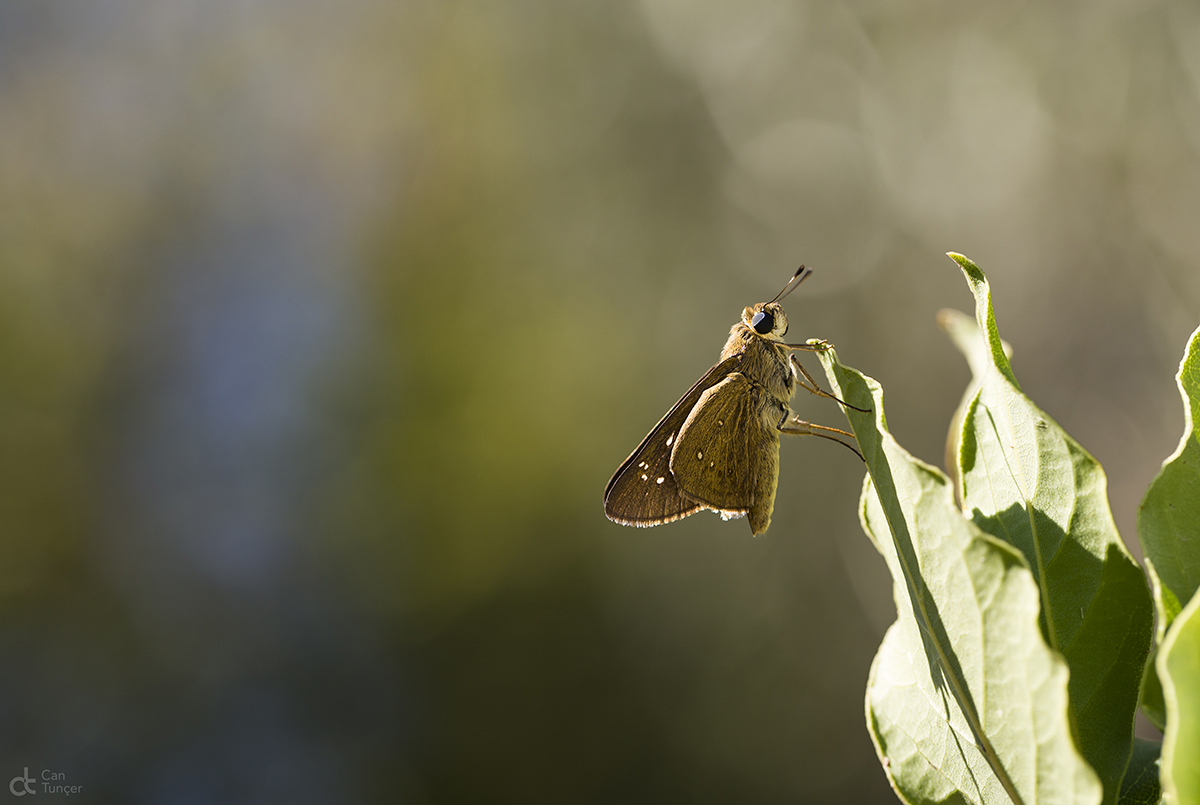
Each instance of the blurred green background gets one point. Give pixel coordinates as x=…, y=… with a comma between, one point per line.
x=324, y=325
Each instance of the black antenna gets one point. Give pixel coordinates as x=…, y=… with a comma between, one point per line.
x=800, y=276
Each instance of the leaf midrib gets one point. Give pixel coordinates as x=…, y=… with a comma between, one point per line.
x=1026, y=499
x=961, y=695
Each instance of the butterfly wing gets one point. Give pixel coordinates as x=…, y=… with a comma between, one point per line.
x=719, y=457
x=643, y=492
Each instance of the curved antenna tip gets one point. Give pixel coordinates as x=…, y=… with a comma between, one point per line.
x=800, y=276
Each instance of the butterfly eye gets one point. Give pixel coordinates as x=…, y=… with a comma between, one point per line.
x=763, y=322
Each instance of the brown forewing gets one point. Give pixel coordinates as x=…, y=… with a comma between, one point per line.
x=643, y=491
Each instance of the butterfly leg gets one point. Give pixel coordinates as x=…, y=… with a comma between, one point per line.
x=818, y=345
x=793, y=425
x=808, y=384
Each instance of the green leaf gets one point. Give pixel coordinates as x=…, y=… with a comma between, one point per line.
x=964, y=332
x=1169, y=518
x=1023, y=479
x=1179, y=669
x=1140, y=786
x=1151, y=696
x=1168, y=607
x=965, y=702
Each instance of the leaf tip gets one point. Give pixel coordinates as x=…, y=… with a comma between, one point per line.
x=973, y=272
x=954, y=323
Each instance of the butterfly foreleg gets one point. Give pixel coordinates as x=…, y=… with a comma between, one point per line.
x=817, y=345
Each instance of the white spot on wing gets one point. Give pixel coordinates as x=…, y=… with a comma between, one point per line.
x=659, y=481
x=670, y=439
x=699, y=455
x=644, y=478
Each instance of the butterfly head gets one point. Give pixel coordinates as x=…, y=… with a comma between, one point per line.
x=767, y=319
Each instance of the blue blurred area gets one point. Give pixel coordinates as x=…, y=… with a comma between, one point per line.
x=218, y=452
x=212, y=433
x=323, y=326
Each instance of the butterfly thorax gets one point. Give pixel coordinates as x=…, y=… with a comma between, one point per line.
x=763, y=363
x=764, y=358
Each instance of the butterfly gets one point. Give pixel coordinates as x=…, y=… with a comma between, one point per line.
x=718, y=447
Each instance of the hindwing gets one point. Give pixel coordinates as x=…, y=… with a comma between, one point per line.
x=716, y=460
